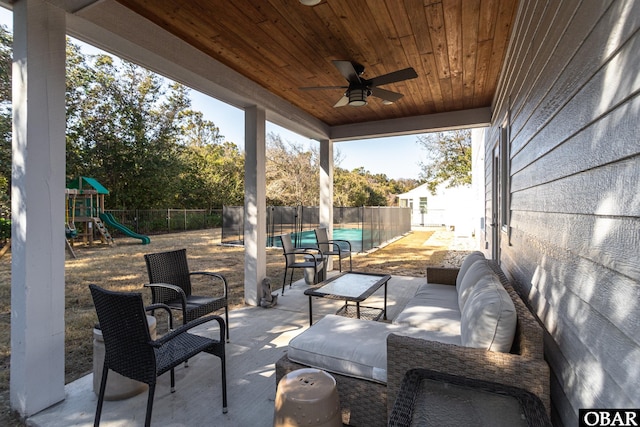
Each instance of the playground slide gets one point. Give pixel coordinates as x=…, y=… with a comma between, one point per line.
x=109, y=220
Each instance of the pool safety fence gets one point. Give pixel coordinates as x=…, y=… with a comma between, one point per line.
x=365, y=227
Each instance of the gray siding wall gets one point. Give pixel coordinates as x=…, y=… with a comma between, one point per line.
x=570, y=93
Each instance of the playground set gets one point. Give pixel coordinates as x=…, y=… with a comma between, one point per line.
x=85, y=206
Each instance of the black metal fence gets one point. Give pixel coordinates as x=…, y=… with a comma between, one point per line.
x=154, y=221
x=377, y=224
x=381, y=224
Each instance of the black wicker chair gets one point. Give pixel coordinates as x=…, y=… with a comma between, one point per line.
x=339, y=248
x=300, y=257
x=130, y=351
x=170, y=284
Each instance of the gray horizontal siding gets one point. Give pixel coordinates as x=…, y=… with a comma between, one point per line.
x=571, y=90
x=609, y=139
x=592, y=299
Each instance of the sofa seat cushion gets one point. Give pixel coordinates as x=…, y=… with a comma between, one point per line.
x=489, y=317
x=353, y=347
x=445, y=296
x=434, y=307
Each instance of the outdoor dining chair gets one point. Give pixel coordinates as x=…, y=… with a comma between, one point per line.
x=300, y=257
x=339, y=248
x=130, y=351
x=170, y=284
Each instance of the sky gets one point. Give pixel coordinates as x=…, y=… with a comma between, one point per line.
x=396, y=157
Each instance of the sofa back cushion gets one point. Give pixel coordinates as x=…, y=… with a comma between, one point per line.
x=466, y=263
x=489, y=317
x=476, y=271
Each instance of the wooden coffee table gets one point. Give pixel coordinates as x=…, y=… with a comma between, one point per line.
x=352, y=287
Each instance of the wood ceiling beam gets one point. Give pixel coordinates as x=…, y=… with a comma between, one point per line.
x=473, y=118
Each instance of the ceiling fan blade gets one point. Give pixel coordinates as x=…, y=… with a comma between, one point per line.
x=342, y=102
x=386, y=95
x=396, y=76
x=348, y=70
x=322, y=87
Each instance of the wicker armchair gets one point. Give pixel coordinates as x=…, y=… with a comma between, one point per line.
x=170, y=284
x=337, y=248
x=130, y=351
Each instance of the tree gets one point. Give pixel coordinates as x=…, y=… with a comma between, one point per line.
x=292, y=174
x=122, y=126
x=197, y=131
x=359, y=188
x=213, y=174
x=448, y=159
x=6, y=41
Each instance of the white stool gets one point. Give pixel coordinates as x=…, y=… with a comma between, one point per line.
x=118, y=387
x=307, y=397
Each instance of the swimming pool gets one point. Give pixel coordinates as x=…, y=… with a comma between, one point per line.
x=308, y=238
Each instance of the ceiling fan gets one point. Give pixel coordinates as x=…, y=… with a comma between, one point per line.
x=359, y=89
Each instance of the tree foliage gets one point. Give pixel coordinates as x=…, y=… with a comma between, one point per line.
x=121, y=129
x=360, y=188
x=448, y=159
x=212, y=176
x=6, y=41
x=292, y=173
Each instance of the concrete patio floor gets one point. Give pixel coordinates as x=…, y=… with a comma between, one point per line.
x=259, y=337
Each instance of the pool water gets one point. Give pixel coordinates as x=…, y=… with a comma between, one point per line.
x=308, y=238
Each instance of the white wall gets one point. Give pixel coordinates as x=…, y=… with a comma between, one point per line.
x=450, y=207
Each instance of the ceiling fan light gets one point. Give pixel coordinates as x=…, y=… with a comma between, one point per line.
x=310, y=2
x=358, y=97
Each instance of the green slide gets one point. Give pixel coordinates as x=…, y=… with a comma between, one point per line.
x=109, y=220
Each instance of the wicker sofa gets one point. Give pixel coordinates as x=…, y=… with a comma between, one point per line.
x=368, y=383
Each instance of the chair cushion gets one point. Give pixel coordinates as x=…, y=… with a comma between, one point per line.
x=489, y=317
x=353, y=347
x=476, y=271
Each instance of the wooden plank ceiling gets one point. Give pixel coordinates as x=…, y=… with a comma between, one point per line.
x=457, y=48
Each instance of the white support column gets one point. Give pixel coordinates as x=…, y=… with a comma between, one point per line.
x=37, y=207
x=255, y=205
x=326, y=190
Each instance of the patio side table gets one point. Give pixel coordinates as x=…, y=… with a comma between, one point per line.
x=307, y=397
